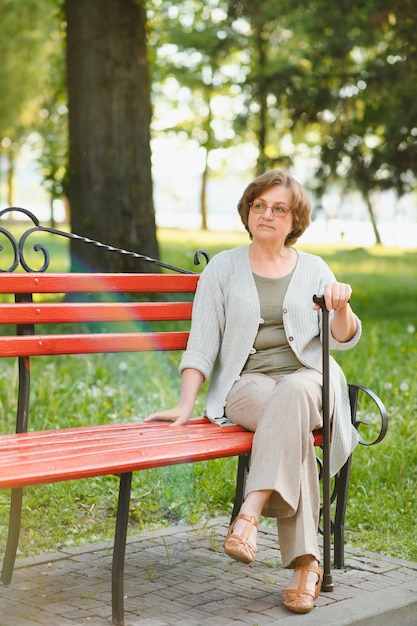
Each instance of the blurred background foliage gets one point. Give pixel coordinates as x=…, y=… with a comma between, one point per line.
x=329, y=83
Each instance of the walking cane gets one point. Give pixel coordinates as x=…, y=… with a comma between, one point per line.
x=327, y=584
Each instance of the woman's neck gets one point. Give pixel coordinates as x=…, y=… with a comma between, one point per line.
x=272, y=263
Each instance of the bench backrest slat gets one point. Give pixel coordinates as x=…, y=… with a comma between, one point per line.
x=96, y=283
x=42, y=345
x=65, y=312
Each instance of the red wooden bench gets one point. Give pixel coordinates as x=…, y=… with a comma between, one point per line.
x=33, y=458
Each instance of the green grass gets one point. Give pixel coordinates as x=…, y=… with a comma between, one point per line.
x=382, y=505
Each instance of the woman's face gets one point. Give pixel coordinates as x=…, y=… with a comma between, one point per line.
x=266, y=226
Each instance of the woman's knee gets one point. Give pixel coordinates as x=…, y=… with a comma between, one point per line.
x=248, y=399
x=301, y=383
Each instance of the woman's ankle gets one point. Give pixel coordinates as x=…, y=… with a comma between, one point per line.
x=248, y=511
x=254, y=503
x=306, y=559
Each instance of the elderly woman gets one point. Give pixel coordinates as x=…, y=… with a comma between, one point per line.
x=256, y=332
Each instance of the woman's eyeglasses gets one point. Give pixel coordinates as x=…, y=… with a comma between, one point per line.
x=278, y=210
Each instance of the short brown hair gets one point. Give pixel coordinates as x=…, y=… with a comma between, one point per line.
x=301, y=204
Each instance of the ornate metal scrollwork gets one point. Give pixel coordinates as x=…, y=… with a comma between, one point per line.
x=18, y=246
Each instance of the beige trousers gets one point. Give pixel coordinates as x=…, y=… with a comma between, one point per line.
x=283, y=411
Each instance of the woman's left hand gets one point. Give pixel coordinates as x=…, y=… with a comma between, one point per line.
x=336, y=296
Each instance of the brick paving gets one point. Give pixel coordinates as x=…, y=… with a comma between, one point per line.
x=181, y=577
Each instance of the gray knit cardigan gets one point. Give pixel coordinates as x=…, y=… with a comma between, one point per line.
x=225, y=321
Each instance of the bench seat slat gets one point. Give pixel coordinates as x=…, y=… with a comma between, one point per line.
x=64, y=312
x=41, y=345
x=151, y=433
x=124, y=448
x=132, y=435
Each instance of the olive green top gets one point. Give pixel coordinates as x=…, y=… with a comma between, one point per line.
x=271, y=353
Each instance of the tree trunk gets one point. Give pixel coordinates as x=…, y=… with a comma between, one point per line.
x=203, y=194
x=262, y=94
x=378, y=240
x=110, y=181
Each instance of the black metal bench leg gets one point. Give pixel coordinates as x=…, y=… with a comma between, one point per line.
x=339, y=518
x=119, y=549
x=242, y=472
x=16, y=497
x=13, y=536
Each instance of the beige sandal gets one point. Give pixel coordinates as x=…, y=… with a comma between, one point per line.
x=238, y=546
x=301, y=600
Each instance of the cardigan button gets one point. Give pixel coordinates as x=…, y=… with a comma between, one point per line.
x=285, y=310
x=290, y=338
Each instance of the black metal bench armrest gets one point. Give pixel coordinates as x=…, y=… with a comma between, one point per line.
x=353, y=395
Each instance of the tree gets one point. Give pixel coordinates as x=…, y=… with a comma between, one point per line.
x=109, y=178
x=351, y=87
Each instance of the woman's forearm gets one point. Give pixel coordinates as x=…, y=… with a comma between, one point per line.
x=191, y=382
x=343, y=326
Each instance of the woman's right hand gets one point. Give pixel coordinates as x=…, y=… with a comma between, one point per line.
x=178, y=416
